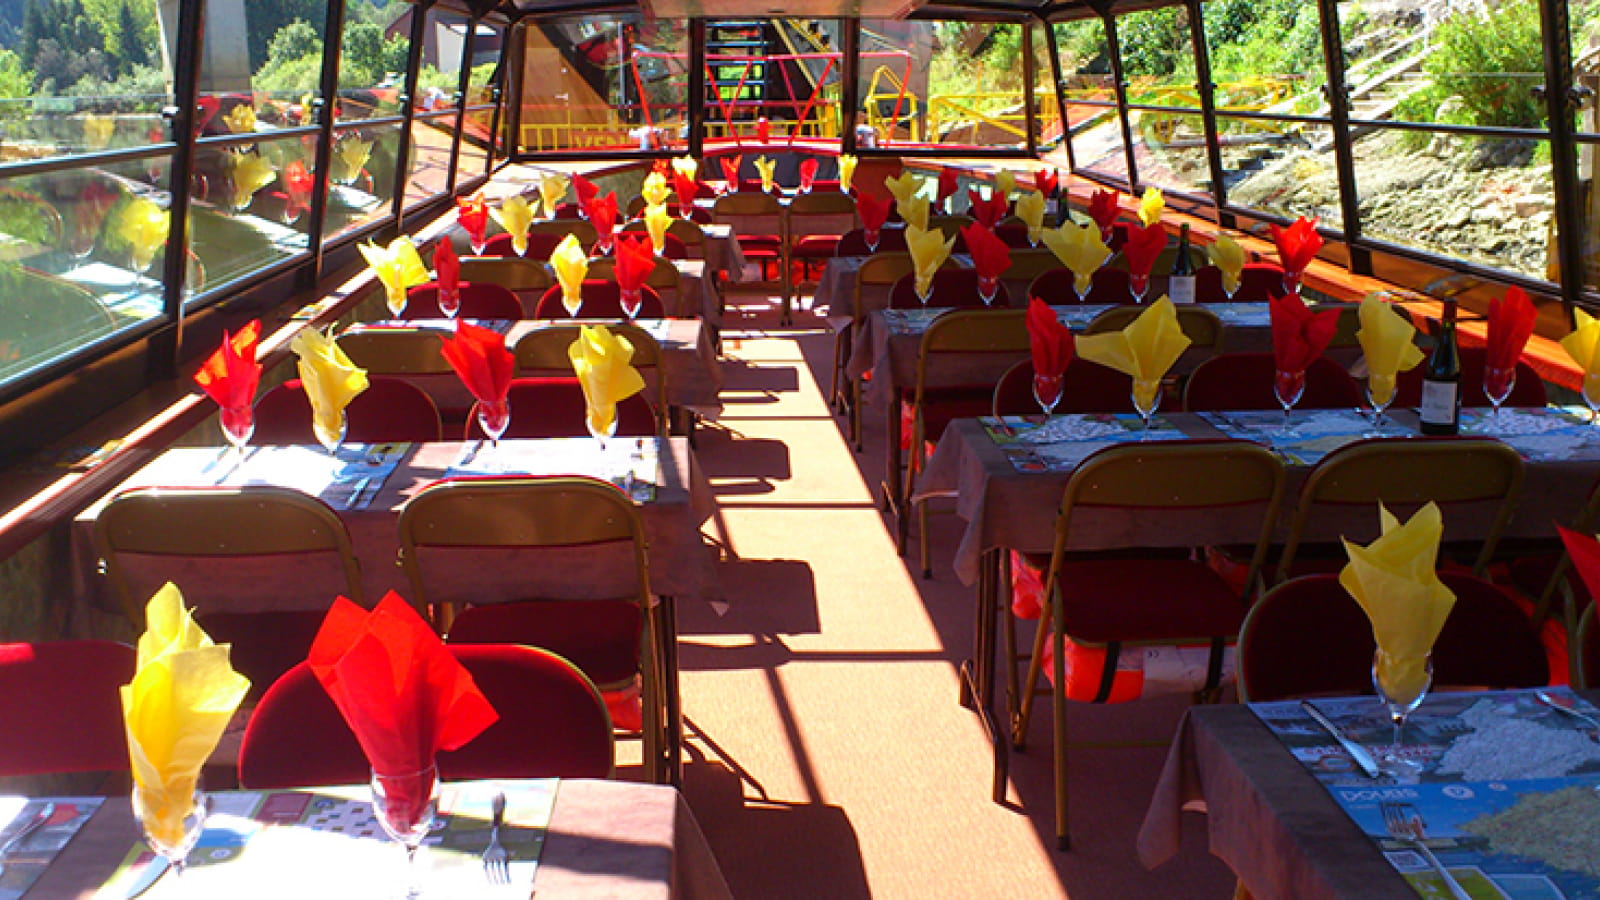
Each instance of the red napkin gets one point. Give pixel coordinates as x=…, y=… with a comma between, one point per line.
x=763, y=130
x=1049, y=340
x=481, y=360
x=1585, y=553
x=808, y=173
x=1047, y=181
x=874, y=212
x=990, y=255
x=1510, y=325
x=1297, y=245
x=636, y=259
x=1299, y=335
x=947, y=185
x=1144, y=245
x=473, y=214
x=401, y=692
x=230, y=375
x=446, y=267
x=988, y=212
x=1104, y=207
x=686, y=189
x=603, y=213
x=730, y=170
x=585, y=189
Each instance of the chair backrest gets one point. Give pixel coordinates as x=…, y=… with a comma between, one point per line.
x=388, y=410
x=968, y=331
x=1027, y=265
x=675, y=244
x=559, y=227
x=1015, y=236
x=540, y=246
x=1086, y=387
x=820, y=212
x=1527, y=391
x=1056, y=287
x=60, y=704
x=514, y=273
x=395, y=351
x=854, y=242
x=876, y=277
x=750, y=203
x=479, y=300
x=1309, y=637
x=1245, y=381
x=1257, y=284
x=552, y=406
x=601, y=300
x=951, y=226
x=952, y=287
x=1200, y=324
x=552, y=724
x=1408, y=472
x=544, y=351
x=699, y=214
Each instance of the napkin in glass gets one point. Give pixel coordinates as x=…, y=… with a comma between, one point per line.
x=398, y=267
x=949, y=180
x=515, y=215
x=990, y=255
x=1226, y=254
x=903, y=187
x=230, y=374
x=1143, y=246
x=635, y=262
x=473, y=215
x=1299, y=335
x=1047, y=182
x=1104, y=207
x=808, y=173
x=1511, y=321
x=330, y=380
x=686, y=188
x=1297, y=245
x=553, y=190
x=603, y=363
x=351, y=157
x=1005, y=181
x=1386, y=343
x=1080, y=249
x=654, y=190
x=847, y=171
x=142, y=226
x=480, y=358
x=685, y=166
x=571, y=263
x=929, y=250
x=656, y=221
x=1049, y=341
x=1395, y=581
x=1030, y=209
x=1151, y=205
x=768, y=169
x=1583, y=345
x=248, y=172
x=1144, y=350
x=914, y=211
x=603, y=214
x=730, y=169
x=873, y=212
x=446, y=266
x=585, y=189
x=183, y=693
x=988, y=212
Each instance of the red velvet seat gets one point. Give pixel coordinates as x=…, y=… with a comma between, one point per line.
x=479, y=300
x=952, y=287
x=553, y=406
x=59, y=702
x=601, y=300
x=1056, y=287
x=672, y=246
x=388, y=410
x=1086, y=387
x=1258, y=282
x=540, y=245
x=1245, y=380
x=1015, y=236
x=854, y=242
x=552, y=725
x=1528, y=391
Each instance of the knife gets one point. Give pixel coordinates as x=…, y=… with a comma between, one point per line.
x=355, y=493
x=148, y=876
x=39, y=818
x=1357, y=752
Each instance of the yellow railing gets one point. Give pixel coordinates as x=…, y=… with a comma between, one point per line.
x=898, y=98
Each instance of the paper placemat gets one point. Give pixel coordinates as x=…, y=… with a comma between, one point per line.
x=32, y=855
x=348, y=479
x=1066, y=440
x=633, y=464
x=1312, y=433
x=1550, y=434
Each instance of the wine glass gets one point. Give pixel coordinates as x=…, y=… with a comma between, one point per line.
x=604, y=241
x=479, y=242
x=988, y=287
x=1288, y=387
x=1139, y=285
x=1401, y=684
x=1146, y=398
x=450, y=300
x=601, y=434
x=238, y=424
x=330, y=438
x=872, y=235
x=1380, y=393
x=924, y=295
x=519, y=243
x=631, y=300
x=171, y=824
x=1047, y=393
x=1497, y=385
x=1230, y=284
x=1291, y=283
x=494, y=417
x=405, y=805
x=1083, y=284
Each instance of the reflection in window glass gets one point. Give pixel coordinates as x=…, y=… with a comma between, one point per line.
x=431, y=137
x=1172, y=150
x=373, y=54
x=261, y=64
x=582, y=83
x=943, y=83
x=249, y=206
x=1158, y=57
x=786, y=71
x=362, y=193
x=1097, y=140
x=1285, y=168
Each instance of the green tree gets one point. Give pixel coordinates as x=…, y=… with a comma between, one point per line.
x=268, y=17
x=127, y=41
x=1473, y=49
x=15, y=80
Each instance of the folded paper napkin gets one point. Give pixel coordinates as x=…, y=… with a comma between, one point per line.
x=603, y=213
x=686, y=188
x=585, y=189
x=330, y=379
x=914, y=211
x=230, y=374
x=1049, y=341
x=1151, y=205
x=808, y=173
x=929, y=250
x=515, y=215
x=184, y=691
x=1104, y=208
x=657, y=221
x=1144, y=350
x=1143, y=246
x=873, y=212
x=1299, y=335
x=248, y=172
x=1047, y=182
x=1030, y=209
x=297, y=185
x=1080, y=249
x=473, y=214
x=1394, y=580
x=1585, y=554
x=398, y=267
x=949, y=180
x=1386, y=342
x=1297, y=245
x=446, y=266
x=635, y=262
x=603, y=363
x=1226, y=254
x=767, y=168
x=480, y=359
x=571, y=263
x=552, y=190
x=654, y=190
x=686, y=166
x=1511, y=321
x=402, y=692
x=142, y=226
x=1583, y=345
x=1005, y=182
x=847, y=171
x=730, y=169
x=990, y=255
x=988, y=212
x=903, y=187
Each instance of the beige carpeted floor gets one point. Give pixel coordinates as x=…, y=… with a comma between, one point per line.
x=828, y=756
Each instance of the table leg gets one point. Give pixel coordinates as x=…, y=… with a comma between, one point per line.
x=674, y=705
x=894, y=501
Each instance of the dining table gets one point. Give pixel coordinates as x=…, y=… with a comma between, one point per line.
x=567, y=838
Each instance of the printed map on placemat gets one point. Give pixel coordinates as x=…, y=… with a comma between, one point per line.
x=1066, y=440
x=1507, y=792
x=631, y=463
x=25, y=862
x=1551, y=434
x=1312, y=433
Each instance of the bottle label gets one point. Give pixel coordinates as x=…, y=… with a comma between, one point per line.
x=1438, y=403
x=1180, y=288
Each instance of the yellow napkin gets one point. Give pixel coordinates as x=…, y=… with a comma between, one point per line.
x=1150, y=206
x=847, y=171
x=1228, y=257
x=331, y=381
x=767, y=168
x=1144, y=350
x=182, y=695
x=929, y=250
x=602, y=361
x=1386, y=342
x=515, y=215
x=1005, y=181
x=249, y=172
x=655, y=189
x=142, y=225
x=685, y=166
x=351, y=156
x=915, y=212
x=1394, y=580
x=571, y=264
x=553, y=190
x=1583, y=345
x=241, y=119
x=398, y=266
x=97, y=130
x=1030, y=209
x=656, y=221
x=1080, y=249
x=903, y=187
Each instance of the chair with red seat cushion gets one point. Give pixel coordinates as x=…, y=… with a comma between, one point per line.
x=1108, y=285
x=540, y=245
x=479, y=300
x=1015, y=236
x=552, y=406
x=1309, y=637
x=816, y=223
x=59, y=701
x=1245, y=380
x=552, y=724
x=760, y=223
x=388, y=410
x=1259, y=282
x=854, y=242
x=672, y=245
x=1086, y=387
x=1527, y=391
x=952, y=287
x=697, y=214
x=601, y=300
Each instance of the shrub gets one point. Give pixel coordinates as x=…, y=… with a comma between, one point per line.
x=1474, y=50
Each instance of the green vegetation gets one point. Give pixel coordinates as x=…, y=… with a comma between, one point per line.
x=1475, y=70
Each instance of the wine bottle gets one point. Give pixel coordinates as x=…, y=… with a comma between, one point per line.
x=1180, y=279
x=1441, y=380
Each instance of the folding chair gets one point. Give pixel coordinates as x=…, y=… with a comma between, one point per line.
x=527, y=278
x=952, y=287
x=1027, y=265
x=874, y=280
x=61, y=704
x=760, y=223
x=543, y=351
x=698, y=215
x=854, y=242
x=388, y=410
x=673, y=243
x=553, y=407
x=1245, y=380
x=664, y=279
x=1086, y=387
x=816, y=223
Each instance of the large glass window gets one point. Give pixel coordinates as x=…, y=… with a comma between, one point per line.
x=477, y=131
x=785, y=71
x=1158, y=63
x=1049, y=132
x=1091, y=98
x=949, y=84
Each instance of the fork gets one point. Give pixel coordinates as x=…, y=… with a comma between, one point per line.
x=1561, y=704
x=496, y=861
x=1405, y=824
x=41, y=816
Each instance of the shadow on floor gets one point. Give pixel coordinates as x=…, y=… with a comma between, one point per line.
x=764, y=597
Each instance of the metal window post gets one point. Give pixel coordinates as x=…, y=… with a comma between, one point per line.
x=1030, y=81
x=408, y=106
x=322, y=108
x=850, y=85
x=1344, y=157
x=463, y=85
x=1114, y=51
x=1208, y=108
x=696, y=88
x=166, y=347
x=1061, y=97
x=1561, y=102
